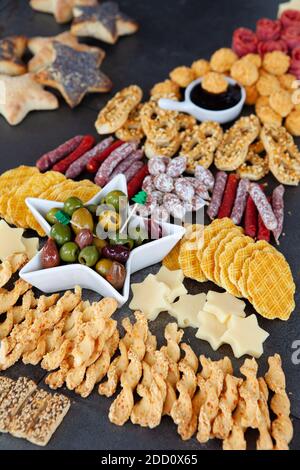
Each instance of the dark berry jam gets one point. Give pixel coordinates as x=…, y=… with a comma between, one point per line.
x=214, y=102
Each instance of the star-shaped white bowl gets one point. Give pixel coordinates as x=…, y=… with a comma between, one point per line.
x=67, y=276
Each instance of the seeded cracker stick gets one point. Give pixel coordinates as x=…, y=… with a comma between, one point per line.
x=86, y=144
x=217, y=195
x=13, y=401
x=250, y=223
x=48, y=159
x=79, y=165
x=229, y=196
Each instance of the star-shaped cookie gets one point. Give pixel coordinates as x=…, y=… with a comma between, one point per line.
x=61, y=9
x=20, y=95
x=44, y=53
x=74, y=73
x=11, y=52
x=104, y=21
x=150, y=297
x=245, y=336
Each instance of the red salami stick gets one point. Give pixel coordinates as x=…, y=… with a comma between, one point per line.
x=136, y=182
x=94, y=164
x=48, y=159
x=251, y=216
x=86, y=144
x=229, y=196
x=263, y=233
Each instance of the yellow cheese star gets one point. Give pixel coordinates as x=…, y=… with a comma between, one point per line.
x=245, y=336
x=22, y=94
x=10, y=240
x=223, y=305
x=292, y=5
x=210, y=329
x=186, y=309
x=174, y=280
x=150, y=297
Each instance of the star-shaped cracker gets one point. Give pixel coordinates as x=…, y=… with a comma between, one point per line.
x=245, y=336
x=10, y=240
x=186, y=309
x=210, y=329
x=174, y=280
x=104, y=21
x=11, y=52
x=74, y=73
x=44, y=53
x=20, y=95
x=61, y=9
x=150, y=297
x=223, y=305
x=292, y=5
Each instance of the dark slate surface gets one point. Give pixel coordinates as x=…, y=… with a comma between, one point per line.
x=172, y=33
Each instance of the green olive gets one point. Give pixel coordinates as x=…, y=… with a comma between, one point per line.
x=110, y=221
x=100, y=244
x=114, y=199
x=118, y=239
x=103, y=266
x=82, y=218
x=60, y=233
x=92, y=208
x=72, y=204
x=69, y=252
x=50, y=216
x=89, y=256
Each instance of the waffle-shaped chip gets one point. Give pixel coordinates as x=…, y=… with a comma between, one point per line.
x=271, y=286
x=171, y=261
x=226, y=258
x=188, y=260
x=221, y=247
x=242, y=283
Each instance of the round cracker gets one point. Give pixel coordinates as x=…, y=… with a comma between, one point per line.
x=226, y=258
x=171, y=260
x=271, y=286
x=210, y=231
x=230, y=235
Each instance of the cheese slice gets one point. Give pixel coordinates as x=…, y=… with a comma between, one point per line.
x=186, y=309
x=174, y=280
x=223, y=305
x=211, y=329
x=150, y=297
x=245, y=336
x=10, y=240
x=31, y=246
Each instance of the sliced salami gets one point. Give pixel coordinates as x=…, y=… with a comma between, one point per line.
x=164, y=183
x=158, y=196
x=176, y=167
x=199, y=187
x=240, y=201
x=244, y=41
x=116, y=157
x=184, y=189
x=205, y=176
x=135, y=156
x=174, y=206
x=278, y=208
x=156, y=166
x=159, y=213
x=270, y=46
x=132, y=170
x=198, y=203
x=291, y=35
x=263, y=206
x=148, y=184
x=217, y=195
x=47, y=160
x=79, y=165
x=268, y=30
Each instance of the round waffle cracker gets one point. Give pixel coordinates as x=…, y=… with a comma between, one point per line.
x=188, y=260
x=171, y=260
x=208, y=255
x=235, y=269
x=221, y=247
x=226, y=258
x=271, y=286
x=210, y=231
x=242, y=283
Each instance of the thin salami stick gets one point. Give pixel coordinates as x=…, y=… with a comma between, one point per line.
x=116, y=157
x=95, y=162
x=79, y=165
x=229, y=196
x=240, y=201
x=278, y=208
x=251, y=216
x=217, y=194
x=125, y=164
x=263, y=206
x=132, y=170
x=47, y=160
x=263, y=233
x=136, y=182
x=86, y=144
